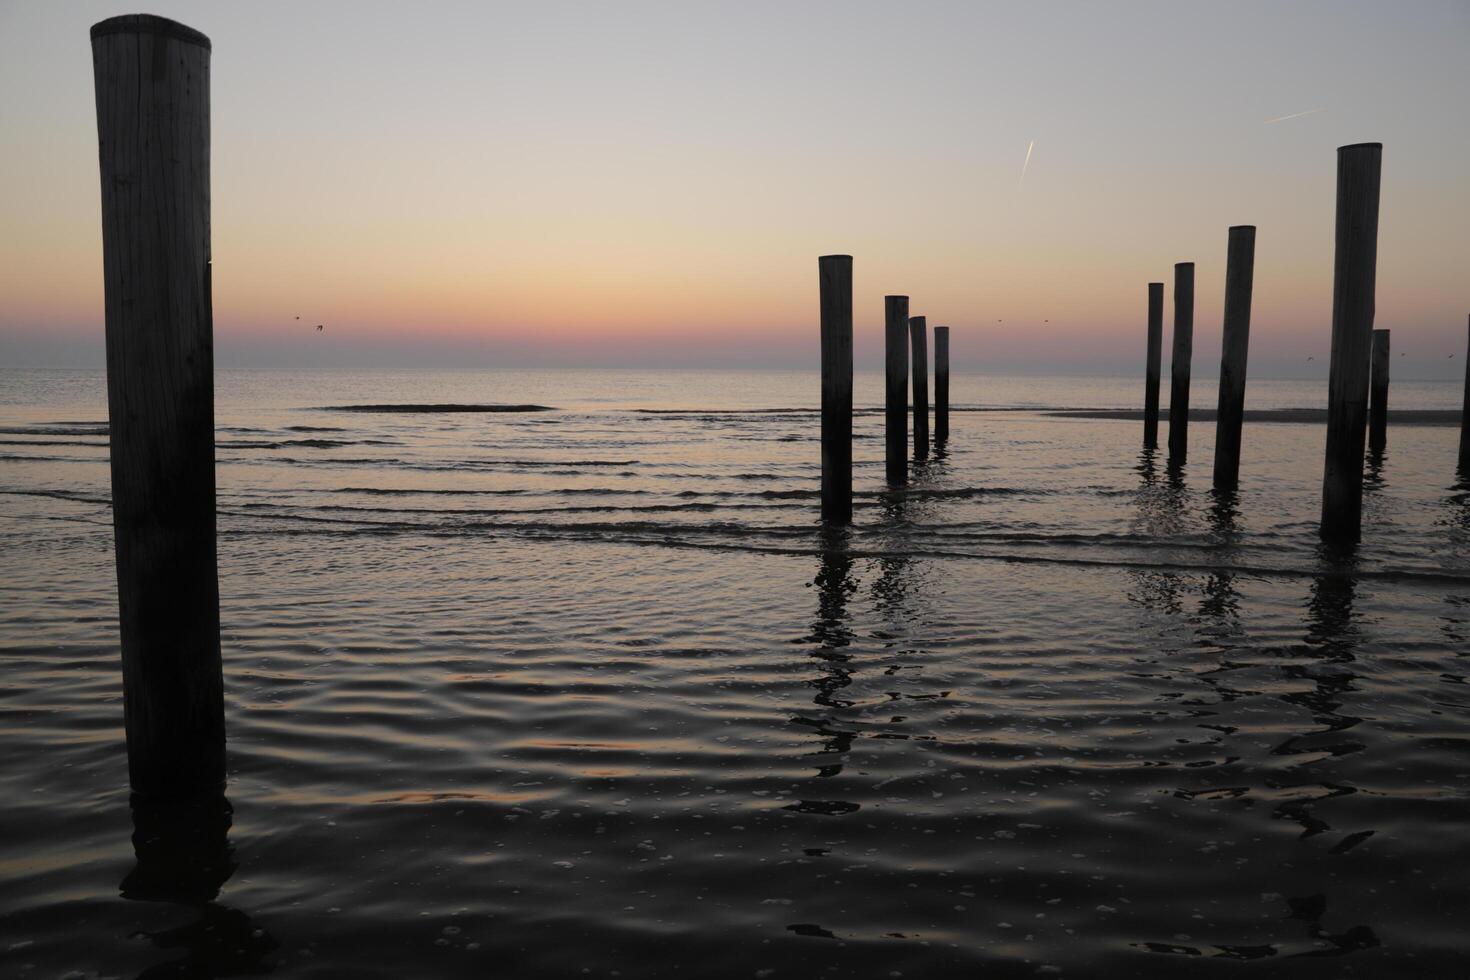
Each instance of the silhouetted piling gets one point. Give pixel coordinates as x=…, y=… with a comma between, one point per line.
x=896, y=392
x=152, y=82
x=1465, y=414
x=919, y=364
x=835, y=275
x=1378, y=393
x=1353, y=283
x=1179, y=368
x=941, y=385
x=1151, y=370
x=1240, y=261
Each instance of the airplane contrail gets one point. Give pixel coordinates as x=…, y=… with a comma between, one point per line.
x=1029, y=148
x=1294, y=115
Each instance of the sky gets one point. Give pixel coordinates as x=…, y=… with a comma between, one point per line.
x=649, y=184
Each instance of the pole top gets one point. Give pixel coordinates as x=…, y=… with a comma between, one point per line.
x=1184, y=265
x=1242, y=227
x=896, y=296
x=149, y=24
x=823, y=258
x=1159, y=284
x=918, y=319
x=945, y=329
x=1360, y=146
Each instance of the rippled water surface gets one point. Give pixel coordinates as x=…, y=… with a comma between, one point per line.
x=588, y=692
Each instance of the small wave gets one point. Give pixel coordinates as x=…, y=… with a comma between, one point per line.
x=692, y=412
x=551, y=467
x=765, y=494
x=434, y=409
x=72, y=495
x=956, y=493
x=561, y=491
x=1313, y=416
x=54, y=429
x=28, y=458
x=53, y=442
x=307, y=443
x=804, y=540
x=690, y=507
x=870, y=410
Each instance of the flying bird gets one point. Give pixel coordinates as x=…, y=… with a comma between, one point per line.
x=318, y=328
x=1309, y=358
x=298, y=318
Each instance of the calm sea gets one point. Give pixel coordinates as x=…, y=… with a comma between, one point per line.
x=588, y=692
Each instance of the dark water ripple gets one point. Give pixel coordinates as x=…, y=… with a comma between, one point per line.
x=492, y=707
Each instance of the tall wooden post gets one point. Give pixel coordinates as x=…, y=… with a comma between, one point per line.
x=896, y=401
x=1353, y=283
x=1179, y=369
x=1464, y=466
x=941, y=385
x=1151, y=370
x=1240, y=262
x=834, y=273
x=919, y=364
x=1378, y=393
x=152, y=79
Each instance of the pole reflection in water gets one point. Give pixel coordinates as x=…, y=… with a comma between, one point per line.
x=1456, y=622
x=1457, y=520
x=1221, y=600
x=1330, y=641
x=1160, y=512
x=832, y=636
x=184, y=857
x=893, y=589
x=1147, y=466
x=1373, y=471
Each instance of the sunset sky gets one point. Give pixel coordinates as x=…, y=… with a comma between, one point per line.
x=644, y=184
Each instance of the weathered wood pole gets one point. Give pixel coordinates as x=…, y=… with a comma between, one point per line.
x=919, y=363
x=896, y=401
x=835, y=275
x=941, y=385
x=1353, y=281
x=152, y=79
x=1179, y=368
x=1240, y=263
x=1378, y=393
x=1151, y=370
x=1464, y=466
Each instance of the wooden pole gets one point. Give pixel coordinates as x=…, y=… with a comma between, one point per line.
x=1378, y=393
x=835, y=275
x=1353, y=280
x=1151, y=370
x=152, y=80
x=1179, y=368
x=919, y=363
x=896, y=363
x=1240, y=262
x=1464, y=466
x=941, y=385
